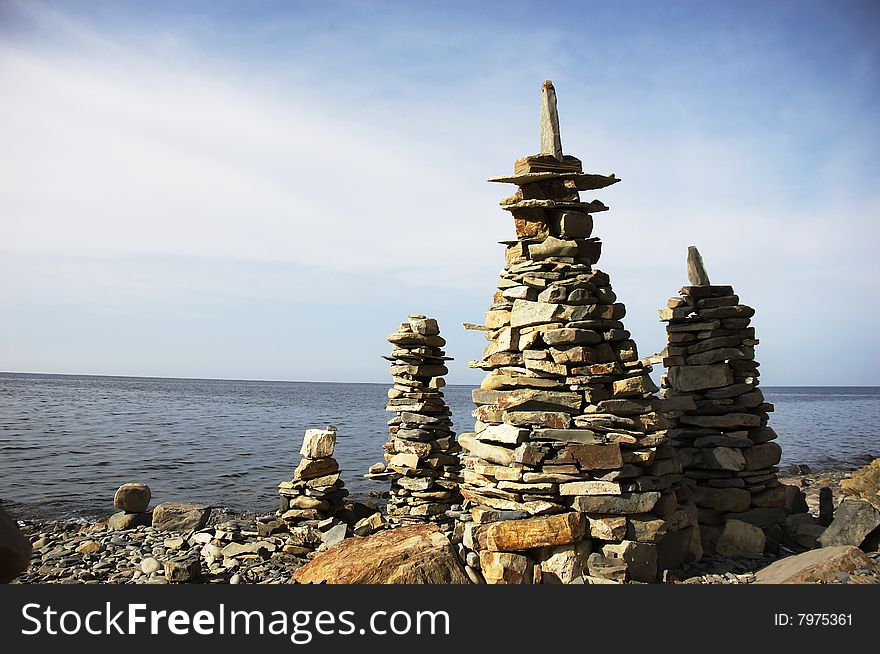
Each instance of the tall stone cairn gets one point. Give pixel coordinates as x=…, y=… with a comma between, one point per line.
x=568, y=473
x=421, y=453
x=723, y=442
x=316, y=491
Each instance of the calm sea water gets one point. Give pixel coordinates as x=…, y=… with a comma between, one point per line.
x=67, y=442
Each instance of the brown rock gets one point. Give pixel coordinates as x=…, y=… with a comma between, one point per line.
x=640, y=558
x=543, y=531
x=133, y=497
x=815, y=566
x=89, y=547
x=180, y=516
x=312, y=468
x=506, y=568
x=762, y=456
x=417, y=554
x=121, y=521
x=596, y=457
x=15, y=549
x=853, y=521
x=865, y=484
x=740, y=539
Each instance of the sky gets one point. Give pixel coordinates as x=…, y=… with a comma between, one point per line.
x=264, y=190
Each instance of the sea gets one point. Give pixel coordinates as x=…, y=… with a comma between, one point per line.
x=68, y=441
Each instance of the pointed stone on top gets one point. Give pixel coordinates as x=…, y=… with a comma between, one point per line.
x=551, y=142
x=697, y=275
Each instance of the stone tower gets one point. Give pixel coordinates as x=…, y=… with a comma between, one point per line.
x=421, y=453
x=725, y=447
x=568, y=471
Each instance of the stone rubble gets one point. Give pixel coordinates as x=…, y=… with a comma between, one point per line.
x=421, y=453
x=568, y=467
x=720, y=432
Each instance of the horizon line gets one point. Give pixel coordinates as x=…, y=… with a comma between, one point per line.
x=307, y=381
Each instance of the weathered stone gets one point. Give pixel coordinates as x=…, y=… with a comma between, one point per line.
x=547, y=419
x=853, y=521
x=616, y=505
x=721, y=458
x=183, y=570
x=418, y=554
x=763, y=517
x=590, y=488
x=314, y=468
x=319, y=443
x=531, y=398
x=534, y=313
x=696, y=270
x=640, y=558
x=571, y=336
x=334, y=535
x=122, y=521
x=89, y=547
x=865, y=484
x=695, y=378
x=596, y=457
x=722, y=499
x=564, y=563
x=150, y=565
x=771, y=498
x=762, y=456
x=552, y=247
x=369, y=525
x=816, y=566
x=180, y=516
x=506, y=568
x=634, y=387
x=515, y=535
x=15, y=549
x=607, y=527
x=740, y=539
x=726, y=421
x=645, y=528
x=132, y=497
x=493, y=453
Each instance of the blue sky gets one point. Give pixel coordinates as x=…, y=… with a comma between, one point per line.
x=263, y=190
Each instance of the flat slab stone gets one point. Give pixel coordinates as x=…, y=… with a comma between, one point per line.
x=417, y=554
x=815, y=566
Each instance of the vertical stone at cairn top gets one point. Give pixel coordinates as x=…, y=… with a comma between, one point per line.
x=721, y=433
x=567, y=472
x=421, y=452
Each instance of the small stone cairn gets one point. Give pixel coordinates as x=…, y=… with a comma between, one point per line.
x=313, y=499
x=421, y=452
x=568, y=475
x=723, y=442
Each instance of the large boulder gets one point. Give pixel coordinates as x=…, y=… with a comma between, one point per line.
x=815, y=566
x=418, y=554
x=15, y=549
x=865, y=484
x=853, y=521
x=180, y=516
x=132, y=497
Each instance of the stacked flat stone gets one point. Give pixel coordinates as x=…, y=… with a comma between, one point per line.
x=723, y=442
x=316, y=491
x=421, y=452
x=568, y=455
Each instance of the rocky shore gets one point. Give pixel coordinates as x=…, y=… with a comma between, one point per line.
x=236, y=549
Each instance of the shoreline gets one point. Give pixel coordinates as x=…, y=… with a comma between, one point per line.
x=237, y=547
